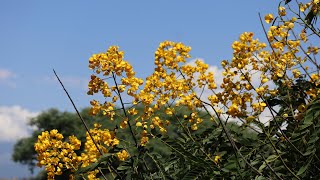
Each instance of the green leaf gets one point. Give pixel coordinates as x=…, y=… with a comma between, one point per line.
x=307, y=122
x=87, y=168
x=121, y=168
x=192, y=174
x=231, y=166
x=180, y=149
x=303, y=168
x=262, y=166
x=181, y=140
x=158, y=164
x=297, y=135
x=256, y=161
x=271, y=158
x=313, y=139
x=260, y=178
x=104, y=157
x=310, y=152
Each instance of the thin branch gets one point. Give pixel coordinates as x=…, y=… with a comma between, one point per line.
x=124, y=110
x=82, y=120
x=86, y=126
x=272, y=170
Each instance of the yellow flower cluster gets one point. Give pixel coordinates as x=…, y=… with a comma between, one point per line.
x=104, y=139
x=163, y=84
x=303, y=7
x=194, y=120
x=173, y=81
x=55, y=154
x=237, y=86
x=241, y=94
x=123, y=155
x=111, y=65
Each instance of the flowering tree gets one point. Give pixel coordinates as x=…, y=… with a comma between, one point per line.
x=279, y=77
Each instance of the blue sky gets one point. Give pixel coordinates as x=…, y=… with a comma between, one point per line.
x=37, y=36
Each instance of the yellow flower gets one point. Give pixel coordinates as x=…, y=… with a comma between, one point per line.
x=123, y=124
x=250, y=119
x=194, y=127
x=144, y=140
x=282, y=11
x=123, y=155
x=169, y=111
x=268, y=18
x=290, y=25
x=138, y=124
x=217, y=159
x=264, y=80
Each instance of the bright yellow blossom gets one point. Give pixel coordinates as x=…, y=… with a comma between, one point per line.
x=269, y=18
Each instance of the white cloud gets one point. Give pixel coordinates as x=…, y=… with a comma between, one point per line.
x=6, y=77
x=13, y=120
x=6, y=74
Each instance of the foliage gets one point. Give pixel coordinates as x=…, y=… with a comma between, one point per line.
x=280, y=77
